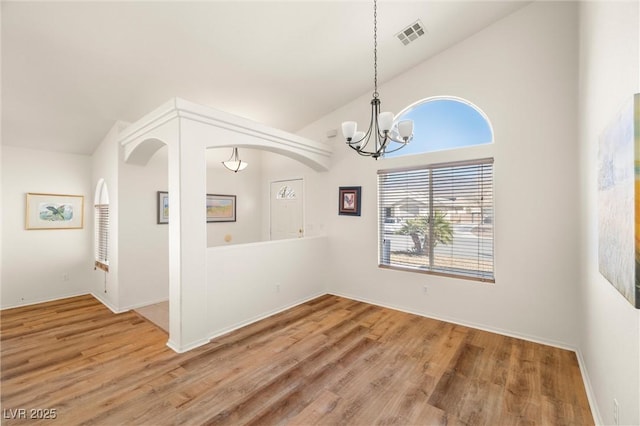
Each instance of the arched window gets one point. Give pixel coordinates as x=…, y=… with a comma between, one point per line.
x=438, y=218
x=101, y=217
x=444, y=123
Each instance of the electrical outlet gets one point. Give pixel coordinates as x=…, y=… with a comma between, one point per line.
x=277, y=288
x=65, y=277
x=424, y=289
x=616, y=412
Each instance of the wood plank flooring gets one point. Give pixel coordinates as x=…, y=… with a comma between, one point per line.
x=331, y=361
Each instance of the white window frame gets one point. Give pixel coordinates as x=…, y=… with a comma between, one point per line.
x=101, y=226
x=473, y=181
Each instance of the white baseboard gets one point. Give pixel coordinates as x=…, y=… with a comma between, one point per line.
x=107, y=303
x=186, y=348
x=508, y=333
x=43, y=300
x=143, y=304
x=262, y=316
x=597, y=418
x=117, y=310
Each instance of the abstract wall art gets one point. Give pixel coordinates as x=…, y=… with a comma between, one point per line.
x=619, y=202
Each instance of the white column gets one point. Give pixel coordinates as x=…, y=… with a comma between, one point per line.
x=187, y=241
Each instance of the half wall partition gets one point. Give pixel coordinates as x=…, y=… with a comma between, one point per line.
x=188, y=129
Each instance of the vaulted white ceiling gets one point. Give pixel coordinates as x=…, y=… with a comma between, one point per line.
x=71, y=69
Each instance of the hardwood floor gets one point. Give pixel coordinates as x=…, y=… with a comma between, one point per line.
x=329, y=361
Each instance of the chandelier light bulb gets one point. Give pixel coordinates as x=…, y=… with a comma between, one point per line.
x=405, y=128
x=385, y=121
x=349, y=129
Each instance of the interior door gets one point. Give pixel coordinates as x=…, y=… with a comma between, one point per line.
x=286, y=201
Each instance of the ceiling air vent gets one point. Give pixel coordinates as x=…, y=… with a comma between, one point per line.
x=411, y=33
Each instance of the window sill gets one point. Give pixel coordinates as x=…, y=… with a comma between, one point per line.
x=441, y=274
x=102, y=266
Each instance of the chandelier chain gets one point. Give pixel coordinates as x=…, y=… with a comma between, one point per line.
x=375, y=49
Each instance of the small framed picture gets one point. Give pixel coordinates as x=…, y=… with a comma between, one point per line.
x=163, y=207
x=221, y=208
x=349, y=200
x=54, y=211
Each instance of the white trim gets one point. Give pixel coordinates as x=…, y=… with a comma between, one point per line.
x=143, y=304
x=533, y=339
x=591, y=396
x=318, y=154
x=44, y=300
x=448, y=98
x=260, y=317
x=107, y=303
x=182, y=349
x=261, y=243
x=156, y=118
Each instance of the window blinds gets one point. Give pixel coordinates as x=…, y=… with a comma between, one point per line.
x=102, y=237
x=438, y=219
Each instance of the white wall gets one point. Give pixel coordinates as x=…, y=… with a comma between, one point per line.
x=246, y=186
x=104, y=165
x=36, y=263
x=524, y=79
x=249, y=282
x=609, y=326
x=143, y=257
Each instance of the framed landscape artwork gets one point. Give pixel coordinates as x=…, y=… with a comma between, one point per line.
x=220, y=208
x=54, y=211
x=349, y=200
x=619, y=202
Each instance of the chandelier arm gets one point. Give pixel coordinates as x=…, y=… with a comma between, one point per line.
x=399, y=141
x=364, y=141
x=402, y=145
x=375, y=126
x=362, y=153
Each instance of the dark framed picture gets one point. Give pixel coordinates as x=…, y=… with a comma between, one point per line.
x=221, y=208
x=349, y=200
